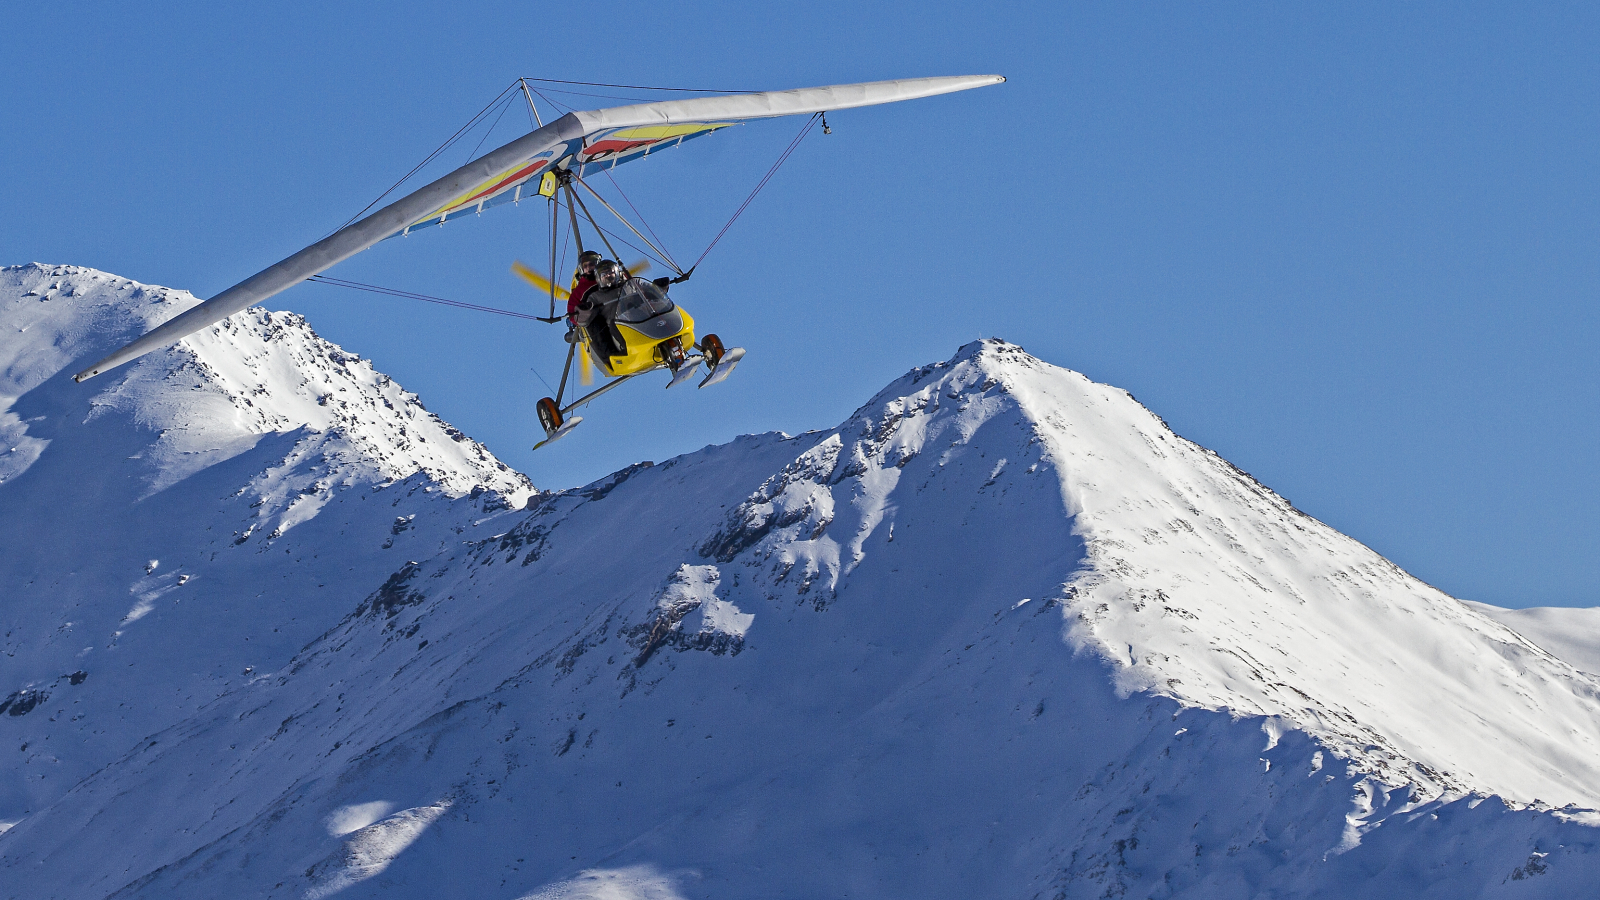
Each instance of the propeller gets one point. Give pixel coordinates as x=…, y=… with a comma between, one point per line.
x=537, y=280
x=543, y=283
x=585, y=370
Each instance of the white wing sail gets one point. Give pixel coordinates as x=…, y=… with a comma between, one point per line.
x=593, y=139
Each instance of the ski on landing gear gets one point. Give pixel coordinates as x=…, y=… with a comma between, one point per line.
x=685, y=370
x=552, y=436
x=719, y=360
x=724, y=366
x=555, y=424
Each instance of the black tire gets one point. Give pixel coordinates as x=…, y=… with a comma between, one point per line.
x=549, y=415
x=711, y=346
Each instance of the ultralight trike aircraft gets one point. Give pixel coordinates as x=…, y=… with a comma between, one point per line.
x=650, y=331
x=646, y=332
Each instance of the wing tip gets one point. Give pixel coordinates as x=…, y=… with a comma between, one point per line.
x=104, y=365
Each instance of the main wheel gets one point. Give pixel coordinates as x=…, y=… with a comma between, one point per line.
x=711, y=346
x=549, y=415
x=671, y=352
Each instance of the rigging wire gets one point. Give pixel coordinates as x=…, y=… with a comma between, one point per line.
x=804, y=130
x=409, y=295
x=505, y=107
x=637, y=87
x=659, y=242
x=431, y=156
x=740, y=212
x=554, y=104
x=629, y=244
x=609, y=208
x=572, y=196
x=599, y=96
x=782, y=158
x=541, y=378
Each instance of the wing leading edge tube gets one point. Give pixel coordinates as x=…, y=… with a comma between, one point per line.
x=495, y=174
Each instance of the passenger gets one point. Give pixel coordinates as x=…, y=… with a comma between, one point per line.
x=582, y=281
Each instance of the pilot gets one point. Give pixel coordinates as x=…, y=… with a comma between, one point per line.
x=595, y=309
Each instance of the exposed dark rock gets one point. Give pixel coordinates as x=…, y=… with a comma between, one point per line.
x=606, y=485
x=394, y=595
x=22, y=702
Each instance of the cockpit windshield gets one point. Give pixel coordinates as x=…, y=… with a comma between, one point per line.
x=641, y=301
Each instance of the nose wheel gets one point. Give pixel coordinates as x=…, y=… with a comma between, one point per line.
x=672, y=353
x=711, y=346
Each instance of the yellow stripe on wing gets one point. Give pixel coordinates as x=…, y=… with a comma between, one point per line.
x=658, y=132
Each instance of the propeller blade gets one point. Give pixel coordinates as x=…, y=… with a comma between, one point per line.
x=642, y=265
x=585, y=374
x=537, y=280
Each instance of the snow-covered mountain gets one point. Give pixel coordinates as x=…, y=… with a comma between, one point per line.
x=168, y=533
x=999, y=634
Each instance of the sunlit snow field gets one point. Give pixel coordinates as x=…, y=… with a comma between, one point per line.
x=272, y=629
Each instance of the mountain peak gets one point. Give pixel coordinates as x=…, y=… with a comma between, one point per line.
x=1202, y=584
x=1190, y=578
x=217, y=391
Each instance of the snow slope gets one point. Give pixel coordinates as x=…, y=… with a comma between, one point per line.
x=1204, y=585
x=176, y=528
x=1572, y=634
x=999, y=634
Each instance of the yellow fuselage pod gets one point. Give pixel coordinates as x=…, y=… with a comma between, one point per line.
x=642, y=354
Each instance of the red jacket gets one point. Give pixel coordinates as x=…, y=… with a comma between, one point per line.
x=579, y=288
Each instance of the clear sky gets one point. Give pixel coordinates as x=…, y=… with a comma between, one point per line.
x=1352, y=247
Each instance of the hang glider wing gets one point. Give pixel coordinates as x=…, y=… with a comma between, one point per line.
x=584, y=142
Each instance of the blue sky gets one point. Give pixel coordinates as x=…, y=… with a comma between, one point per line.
x=1351, y=247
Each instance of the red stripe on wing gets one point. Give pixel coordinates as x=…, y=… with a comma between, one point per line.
x=505, y=182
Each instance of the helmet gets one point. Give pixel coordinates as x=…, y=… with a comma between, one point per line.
x=587, y=260
x=610, y=273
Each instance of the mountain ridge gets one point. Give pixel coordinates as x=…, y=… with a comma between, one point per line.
x=999, y=633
